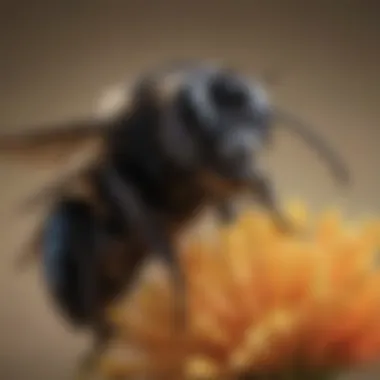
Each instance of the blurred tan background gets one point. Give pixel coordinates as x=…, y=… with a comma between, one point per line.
x=55, y=57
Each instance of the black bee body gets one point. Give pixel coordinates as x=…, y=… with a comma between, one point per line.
x=165, y=187
x=181, y=145
x=79, y=232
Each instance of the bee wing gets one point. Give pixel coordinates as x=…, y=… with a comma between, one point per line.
x=72, y=179
x=73, y=147
x=50, y=144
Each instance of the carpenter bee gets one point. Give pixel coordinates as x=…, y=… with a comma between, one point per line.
x=187, y=136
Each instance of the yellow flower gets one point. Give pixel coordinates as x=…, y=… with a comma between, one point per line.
x=260, y=302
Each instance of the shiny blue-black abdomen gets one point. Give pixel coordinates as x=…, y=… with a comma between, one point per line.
x=68, y=244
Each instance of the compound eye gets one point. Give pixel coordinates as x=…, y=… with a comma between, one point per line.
x=228, y=92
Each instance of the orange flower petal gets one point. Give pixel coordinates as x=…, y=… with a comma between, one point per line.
x=259, y=299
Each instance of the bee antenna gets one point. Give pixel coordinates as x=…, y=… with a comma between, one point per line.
x=308, y=135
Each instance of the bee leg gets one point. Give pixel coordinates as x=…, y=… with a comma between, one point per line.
x=88, y=368
x=226, y=212
x=262, y=189
x=150, y=230
x=88, y=364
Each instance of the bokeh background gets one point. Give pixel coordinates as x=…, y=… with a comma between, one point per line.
x=56, y=56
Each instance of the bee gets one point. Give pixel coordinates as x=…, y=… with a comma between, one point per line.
x=186, y=137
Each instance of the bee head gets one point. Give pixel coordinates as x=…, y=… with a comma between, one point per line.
x=210, y=118
x=214, y=119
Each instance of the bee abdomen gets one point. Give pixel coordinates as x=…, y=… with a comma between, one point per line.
x=68, y=245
